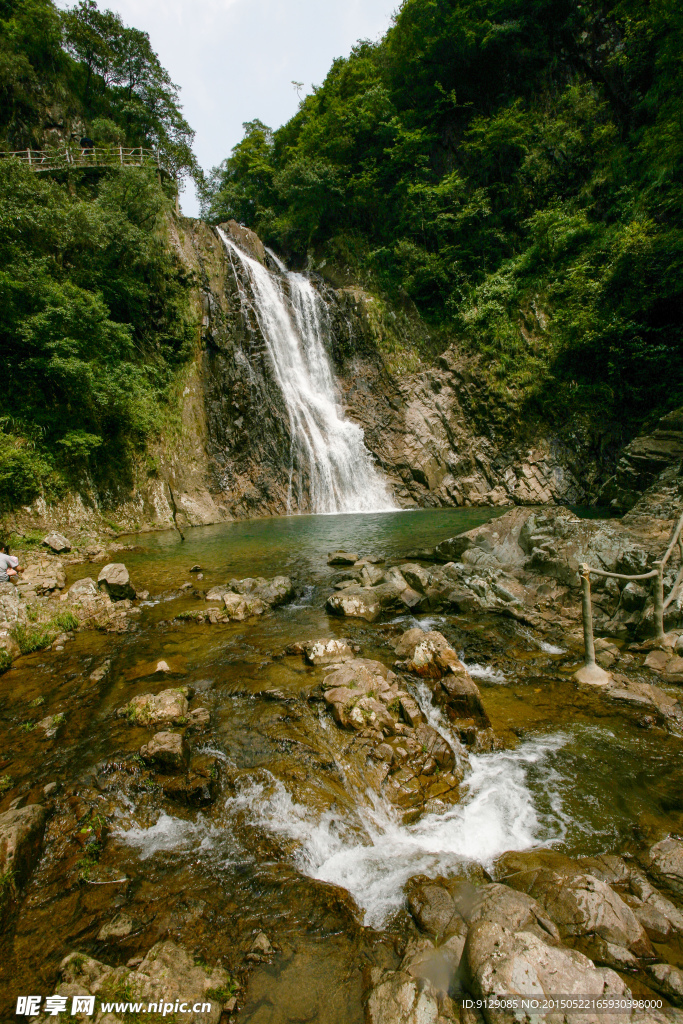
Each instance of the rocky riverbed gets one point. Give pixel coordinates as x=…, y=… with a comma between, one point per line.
x=356, y=783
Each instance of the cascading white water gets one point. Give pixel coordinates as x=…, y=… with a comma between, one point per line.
x=331, y=468
x=499, y=812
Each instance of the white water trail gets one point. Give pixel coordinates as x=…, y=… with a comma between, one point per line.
x=331, y=465
x=499, y=812
x=485, y=672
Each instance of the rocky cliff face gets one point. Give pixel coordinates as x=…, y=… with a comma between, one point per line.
x=432, y=430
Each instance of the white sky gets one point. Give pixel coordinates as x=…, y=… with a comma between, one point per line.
x=235, y=59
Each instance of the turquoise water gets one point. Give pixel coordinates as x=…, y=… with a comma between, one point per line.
x=295, y=546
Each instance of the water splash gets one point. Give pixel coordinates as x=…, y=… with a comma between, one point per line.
x=373, y=861
x=332, y=471
x=485, y=672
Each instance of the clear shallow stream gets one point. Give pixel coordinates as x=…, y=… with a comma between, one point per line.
x=294, y=830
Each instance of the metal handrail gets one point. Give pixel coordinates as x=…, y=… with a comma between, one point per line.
x=590, y=671
x=97, y=156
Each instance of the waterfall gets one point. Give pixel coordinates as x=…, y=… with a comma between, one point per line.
x=330, y=467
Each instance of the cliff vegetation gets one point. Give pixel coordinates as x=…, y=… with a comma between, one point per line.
x=94, y=311
x=511, y=170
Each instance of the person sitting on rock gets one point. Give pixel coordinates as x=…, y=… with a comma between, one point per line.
x=9, y=565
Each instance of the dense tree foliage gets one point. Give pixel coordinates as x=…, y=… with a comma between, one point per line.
x=65, y=74
x=94, y=307
x=513, y=167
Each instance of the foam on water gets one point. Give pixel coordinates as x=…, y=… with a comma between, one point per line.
x=374, y=859
x=542, y=645
x=177, y=835
x=167, y=833
x=331, y=469
x=485, y=672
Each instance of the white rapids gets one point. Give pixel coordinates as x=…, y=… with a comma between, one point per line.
x=331, y=469
x=498, y=813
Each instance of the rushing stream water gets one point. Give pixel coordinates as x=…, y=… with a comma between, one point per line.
x=296, y=844
x=331, y=469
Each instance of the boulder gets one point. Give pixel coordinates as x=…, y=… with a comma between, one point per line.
x=329, y=652
x=410, y=711
x=167, y=973
x=114, y=579
x=252, y=596
x=84, y=589
x=427, y=654
x=371, y=575
x=57, y=542
x=273, y=592
x=238, y=607
x=355, y=602
x=262, y=945
x=636, y=697
x=199, y=720
x=582, y=905
x=400, y=999
x=435, y=746
x=118, y=927
x=502, y=905
x=167, y=751
x=431, y=656
x=342, y=558
x=665, y=863
x=650, y=900
x=166, y=708
x=501, y=962
x=416, y=576
x=21, y=837
x=433, y=908
x=668, y=980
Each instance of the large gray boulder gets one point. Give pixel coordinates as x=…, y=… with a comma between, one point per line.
x=356, y=602
x=668, y=980
x=115, y=580
x=585, y=908
x=329, y=652
x=243, y=599
x=501, y=962
x=400, y=999
x=239, y=607
x=84, y=589
x=57, y=542
x=665, y=862
x=273, y=592
x=342, y=558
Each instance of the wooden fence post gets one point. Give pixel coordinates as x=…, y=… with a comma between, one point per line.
x=658, y=598
x=589, y=671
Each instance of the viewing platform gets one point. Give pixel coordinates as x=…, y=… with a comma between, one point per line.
x=98, y=156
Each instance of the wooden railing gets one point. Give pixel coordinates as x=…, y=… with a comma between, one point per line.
x=590, y=672
x=98, y=156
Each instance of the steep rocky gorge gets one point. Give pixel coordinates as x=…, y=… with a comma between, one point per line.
x=433, y=431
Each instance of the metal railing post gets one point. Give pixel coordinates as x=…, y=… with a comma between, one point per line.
x=658, y=598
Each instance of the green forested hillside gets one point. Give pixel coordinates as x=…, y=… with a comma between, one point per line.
x=94, y=310
x=513, y=167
